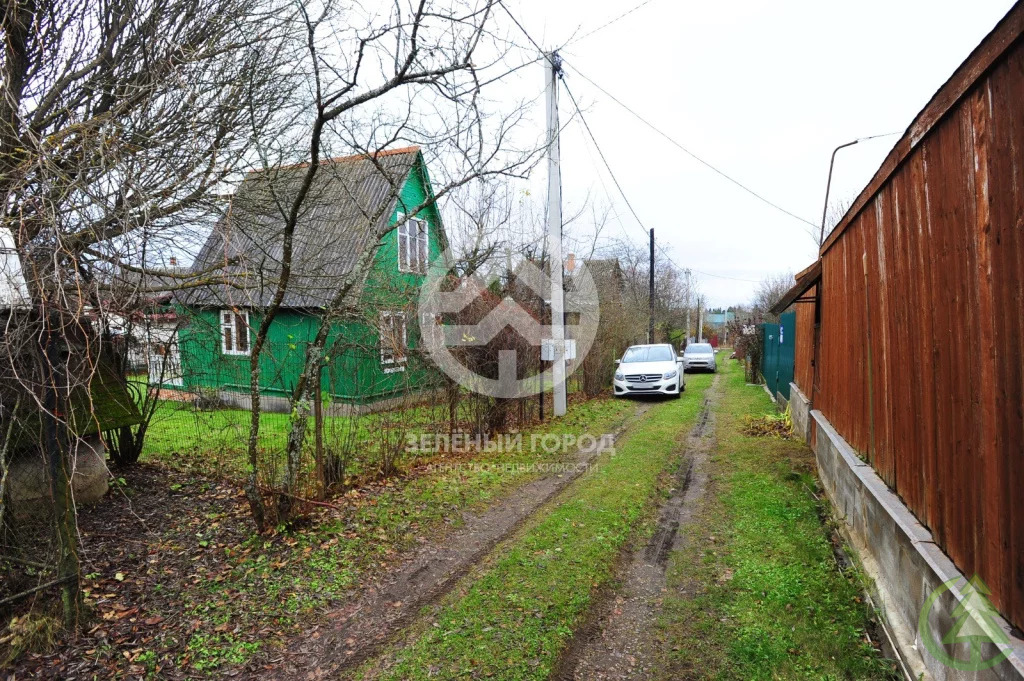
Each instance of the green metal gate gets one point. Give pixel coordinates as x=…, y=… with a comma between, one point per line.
x=777, y=351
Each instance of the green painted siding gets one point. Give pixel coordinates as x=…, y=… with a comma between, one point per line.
x=354, y=371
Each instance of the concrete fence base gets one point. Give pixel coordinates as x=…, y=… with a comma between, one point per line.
x=800, y=412
x=905, y=566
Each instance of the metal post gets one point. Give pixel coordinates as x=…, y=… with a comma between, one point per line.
x=828, y=188
x=650, y=296
x=555, y=236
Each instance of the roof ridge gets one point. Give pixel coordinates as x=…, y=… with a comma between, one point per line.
x=340, y=159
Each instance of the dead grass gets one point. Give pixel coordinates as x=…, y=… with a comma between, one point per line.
x=30, y=633
x=769, y=425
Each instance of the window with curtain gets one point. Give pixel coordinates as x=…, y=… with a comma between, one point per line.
x=234, y=332
x=413, y=242
x=394, y=339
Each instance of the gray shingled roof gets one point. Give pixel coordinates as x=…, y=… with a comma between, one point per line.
x=351, y=200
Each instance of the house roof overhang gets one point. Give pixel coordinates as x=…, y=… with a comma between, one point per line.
x=804, y=280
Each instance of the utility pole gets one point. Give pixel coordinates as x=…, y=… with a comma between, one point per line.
x=689, y=292
x=700, y=320
x=555, y=237
x=650, y=296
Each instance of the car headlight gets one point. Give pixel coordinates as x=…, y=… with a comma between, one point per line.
x=669, y=374
x=618, y=376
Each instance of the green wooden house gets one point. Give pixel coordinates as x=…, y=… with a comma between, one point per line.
x=367, y=230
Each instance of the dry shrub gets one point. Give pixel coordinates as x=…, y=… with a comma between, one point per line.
x=770, y=425
x=32, y=632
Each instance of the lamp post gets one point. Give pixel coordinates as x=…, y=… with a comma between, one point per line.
x=828, y=188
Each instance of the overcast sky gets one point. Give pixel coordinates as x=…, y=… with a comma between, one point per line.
x=764, y=92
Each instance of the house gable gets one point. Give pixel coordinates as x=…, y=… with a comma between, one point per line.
x=359, y=366
x=387, y=283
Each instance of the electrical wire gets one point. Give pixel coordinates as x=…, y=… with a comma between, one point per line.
x=690, y=153
x=608, y=23
x=622, y=193
x=604, y=160
x=528, y=36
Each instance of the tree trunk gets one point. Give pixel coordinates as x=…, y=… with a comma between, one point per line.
x=301, y=409
x=318, y=435
x=59, y=465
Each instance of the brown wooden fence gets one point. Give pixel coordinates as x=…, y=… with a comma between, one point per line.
x=803, y=368
x=922, y=318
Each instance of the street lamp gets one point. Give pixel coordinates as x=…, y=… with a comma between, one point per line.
x=828, y=188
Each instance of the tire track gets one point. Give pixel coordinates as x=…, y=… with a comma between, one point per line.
x=615, y=641
x=359, y=630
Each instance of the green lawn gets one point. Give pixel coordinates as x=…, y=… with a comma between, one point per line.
x=757, y=593
x=512, y=618
x=213, y=441
x=281, y=583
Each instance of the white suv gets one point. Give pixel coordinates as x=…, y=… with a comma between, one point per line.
x=649, y=370
x=699, y=356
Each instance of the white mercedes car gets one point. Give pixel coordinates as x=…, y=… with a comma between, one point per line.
x=649, y=370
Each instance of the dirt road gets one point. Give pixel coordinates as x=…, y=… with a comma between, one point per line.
x=361, y=628
x=616, y=640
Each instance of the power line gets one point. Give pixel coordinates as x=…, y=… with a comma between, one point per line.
x=691, y=154
x=528, y=36
x=622, y=193
x=583, y=119
x=608, y=23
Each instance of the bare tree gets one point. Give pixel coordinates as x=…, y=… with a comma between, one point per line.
x=674, y=291
x=768, y=293
x=410, y=73
x=118, y=121
x=836, y=211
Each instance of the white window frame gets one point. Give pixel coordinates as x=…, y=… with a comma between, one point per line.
x=388, y=360
x=229, y=320
x=416, y=247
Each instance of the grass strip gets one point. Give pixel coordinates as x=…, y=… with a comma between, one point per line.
x=276, y=584
x=213, y=441
x=515, y=618
x=756, y=593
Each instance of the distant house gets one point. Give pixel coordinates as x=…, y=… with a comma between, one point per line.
x=719, y=317
x=372, y=340
x=609, y=281
x=12, y=282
